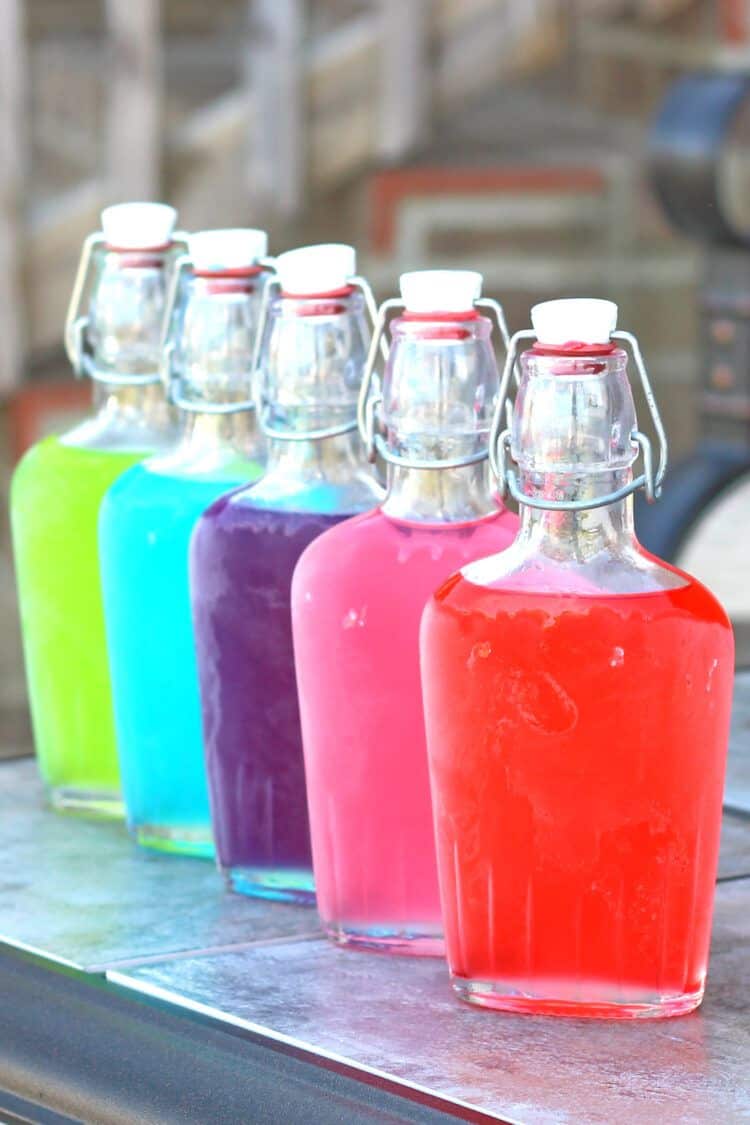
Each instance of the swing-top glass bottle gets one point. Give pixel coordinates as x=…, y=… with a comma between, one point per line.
x=312, y=349
x=112, y=335
x=145, y=525
x=357, y=599
x=577, y=699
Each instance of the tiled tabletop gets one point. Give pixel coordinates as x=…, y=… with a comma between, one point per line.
x=397, y=1016
x=81, y=893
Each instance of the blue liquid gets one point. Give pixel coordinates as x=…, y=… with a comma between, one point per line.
x=145, y=526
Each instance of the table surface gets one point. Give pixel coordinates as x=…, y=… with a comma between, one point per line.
x=81, y=894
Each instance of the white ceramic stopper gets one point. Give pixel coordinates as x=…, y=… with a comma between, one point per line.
x=231, y=249
x=426, y=291
x=138, y=226
x=585, y=320
x=316, y=269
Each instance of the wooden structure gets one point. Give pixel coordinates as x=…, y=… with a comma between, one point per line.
x=317, y=91
x=247, y=110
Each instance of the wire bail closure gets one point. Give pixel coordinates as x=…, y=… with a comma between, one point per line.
x=500, y=450
x=367, y=416
x=77, y=321
x=169, y=377
x=273, y=288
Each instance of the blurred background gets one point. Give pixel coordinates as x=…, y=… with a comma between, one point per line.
x=562, y=147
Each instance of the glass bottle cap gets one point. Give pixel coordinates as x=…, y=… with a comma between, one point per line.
x=425, y=291
x=587, y=320
x=138, y=226
x=230, y=249
x=316, y=269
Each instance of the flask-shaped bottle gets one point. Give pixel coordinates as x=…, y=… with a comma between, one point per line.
x=112, y=336
x=357, y=599
x=577, y=699
x=145, y=525
x=244, y=550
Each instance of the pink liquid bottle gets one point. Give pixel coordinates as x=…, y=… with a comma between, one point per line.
x=314, y=334
x=577, y=699
x=357, y=599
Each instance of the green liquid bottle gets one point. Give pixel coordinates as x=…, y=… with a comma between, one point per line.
x=57, y=490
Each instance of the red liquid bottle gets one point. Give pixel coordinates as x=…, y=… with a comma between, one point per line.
x=577, y=701
x=357, y=600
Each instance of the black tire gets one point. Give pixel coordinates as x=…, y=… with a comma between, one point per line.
x=689, y=488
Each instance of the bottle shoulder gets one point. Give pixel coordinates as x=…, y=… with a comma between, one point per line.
x=314, y=493
x=142, y=490
x=211, y=462
x=51, y=456
x=235, y=510
x=463, y=597
x=374, y=542
x=113, y=433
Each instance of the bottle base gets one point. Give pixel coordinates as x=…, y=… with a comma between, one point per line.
x=403, y=941
x=101, y=804
x=280, y=884
x=503, y=998
x=174, y=839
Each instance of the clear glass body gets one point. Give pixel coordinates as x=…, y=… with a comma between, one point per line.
x=243, y=553
x=357, y=599
x=145, y=525
x=577, y=698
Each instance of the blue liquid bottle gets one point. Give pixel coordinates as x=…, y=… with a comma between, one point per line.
x=144, y=533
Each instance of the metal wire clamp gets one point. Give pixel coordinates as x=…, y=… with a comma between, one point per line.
x=367, y=420
x=273, y=288
x=170, y=330
x=77, y=321
x=500, y=441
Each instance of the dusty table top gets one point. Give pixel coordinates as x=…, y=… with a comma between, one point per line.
x=82, y=894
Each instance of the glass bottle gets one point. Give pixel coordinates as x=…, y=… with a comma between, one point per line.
x=357, y=599
x=244, y=549
x=577, y=698
x=145, y=526
x=112, y=336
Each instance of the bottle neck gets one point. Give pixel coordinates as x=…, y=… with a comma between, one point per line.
x=327, y=458
x=327, y=475
x=142, y=403
x=440, y=495
x=438, y=390
x=127, y=417
x=236, y=433
x=582, y=536
x=126, y=310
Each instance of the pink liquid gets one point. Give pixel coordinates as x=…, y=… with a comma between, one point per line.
x=357, y=598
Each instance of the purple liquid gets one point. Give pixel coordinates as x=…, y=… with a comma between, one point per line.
x=242, y=560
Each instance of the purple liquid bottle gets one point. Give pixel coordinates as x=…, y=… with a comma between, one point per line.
x=244, y=550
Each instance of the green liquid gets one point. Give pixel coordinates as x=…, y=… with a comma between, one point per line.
x=55, y=497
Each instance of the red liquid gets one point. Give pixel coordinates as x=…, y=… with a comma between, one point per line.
x=577, y=748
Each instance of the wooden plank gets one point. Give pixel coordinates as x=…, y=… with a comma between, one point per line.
x=734, y=20
x=392, y=187
x=651, y=46
x=274, y=82
x=54, y=234
x=13, y=166
x=404, y=77
x=133, y=122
